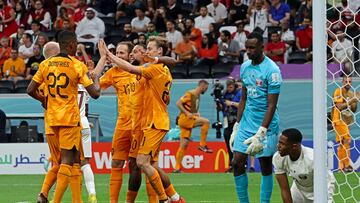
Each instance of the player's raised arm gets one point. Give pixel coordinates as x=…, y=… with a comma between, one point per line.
x=101, y=63
x=168, y=61
x=284, y=187
x=94, y=89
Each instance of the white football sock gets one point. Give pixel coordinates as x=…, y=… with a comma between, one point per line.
x=88, y=178
x=175, y=197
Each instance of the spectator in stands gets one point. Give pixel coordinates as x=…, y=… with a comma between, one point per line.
x=33, y=64
x=279, y=13
x=140, y=22
x=203, y=21
x=258, y=18
x=5, y=50
x=52, y=7
x=126, y=8
x=237, y=12
x=342, y=50
x=16, y=37
x=172, y=35
x=142, y=39
x=35, y=31
x=304, y=36
x=173, y=10
x=81, y=54
x=217, y=11
x=90, y=28
x=275, y=49
x=240, y=36
x=214, y=31
x=151, y=31
x=21, y=16
x=305, y=11
x=160, y=19
x=70, y=5
x=8, y=24
x=14, y=67
x=26, y=50
x=229, y=50
x=80, y=11
x=208, y=52
x=186, y=50
x=288, y=37
x=129, y=35
x=196, y=34
x=41, y=15
x=42, y=40
x=104, y=7
x=63, y=15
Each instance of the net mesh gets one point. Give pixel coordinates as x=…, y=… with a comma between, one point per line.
x=343, y=29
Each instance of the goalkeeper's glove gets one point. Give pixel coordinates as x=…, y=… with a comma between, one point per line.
x=233, y=134
x=256, y=143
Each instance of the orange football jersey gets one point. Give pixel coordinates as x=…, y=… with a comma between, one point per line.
x=61, y=75
x=137, y=102
x=157, y=95
x=120, y=80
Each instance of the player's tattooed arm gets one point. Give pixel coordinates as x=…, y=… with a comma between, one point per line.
x=32, y=91
x=272, y=103
x=124, y=65
x=94, y=89
x=284, y=188
x=168, y=61
x=242, y=103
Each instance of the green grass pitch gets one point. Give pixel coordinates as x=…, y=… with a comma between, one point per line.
x=201, y=188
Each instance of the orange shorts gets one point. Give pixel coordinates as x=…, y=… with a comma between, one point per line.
x=54, y=148
x=69, y=136
x=121, y=144
x=186, y=125
x=135, y=142
x=151, y=141
x=342, y=132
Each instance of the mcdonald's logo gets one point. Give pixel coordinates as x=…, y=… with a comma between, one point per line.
x=225, y=154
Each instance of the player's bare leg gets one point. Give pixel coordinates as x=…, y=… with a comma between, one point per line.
x=205, y=124
x=134, y=181
x=267, y=181
x=143, y=162
x=116, y=179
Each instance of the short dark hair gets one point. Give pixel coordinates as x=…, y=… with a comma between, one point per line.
x=191, y=19
x=65, y=37
x=186, y=32
x=226, y=33
x=129, y=45
x=36, y=22
x=293, y=135
x=203, y=82
x=256, y=35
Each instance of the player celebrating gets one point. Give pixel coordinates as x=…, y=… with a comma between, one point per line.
x=189, y=118
x=295, y=160
x=62, y=74
x=157, y=97
x=258, y=117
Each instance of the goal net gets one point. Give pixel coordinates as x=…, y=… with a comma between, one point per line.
x=343, y=87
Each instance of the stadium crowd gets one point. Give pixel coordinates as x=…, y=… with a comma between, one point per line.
x=201, y=33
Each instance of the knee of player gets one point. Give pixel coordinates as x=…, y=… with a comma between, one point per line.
x=206, y=121
x=141, y=163
x=117, y=163
x=133, y=165
x=265, y=171
x=238, y=164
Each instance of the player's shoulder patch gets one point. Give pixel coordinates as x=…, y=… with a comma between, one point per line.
x=275, y=77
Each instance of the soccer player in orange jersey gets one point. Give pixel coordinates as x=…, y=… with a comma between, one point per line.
x=190, y=118
x=61, y=75
x=157, y=97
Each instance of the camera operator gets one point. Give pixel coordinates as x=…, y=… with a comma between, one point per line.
x=229, y=105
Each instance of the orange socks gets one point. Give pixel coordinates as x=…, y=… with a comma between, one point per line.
x=343, y=155
x=63, y=179
x=179, y=157
x=50, y=179
x=115, y=184
x=156, y=183
x=170, y=191
x=203, y=134
x=75, y=183
x=131, y=196
x=152, y=196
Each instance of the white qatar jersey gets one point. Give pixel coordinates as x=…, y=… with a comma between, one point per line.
x=83, y=99
x=301, y=170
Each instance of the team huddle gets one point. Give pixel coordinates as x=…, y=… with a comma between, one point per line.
x=142, y=81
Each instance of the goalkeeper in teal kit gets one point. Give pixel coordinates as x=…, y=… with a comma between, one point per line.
x=257, y=127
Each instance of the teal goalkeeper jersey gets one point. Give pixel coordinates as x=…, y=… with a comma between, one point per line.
x=260, y=81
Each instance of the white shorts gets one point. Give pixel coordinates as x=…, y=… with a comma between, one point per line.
x=86, y=141
x=300, y=196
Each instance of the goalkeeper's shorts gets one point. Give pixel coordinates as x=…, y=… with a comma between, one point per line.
x=270, y=147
